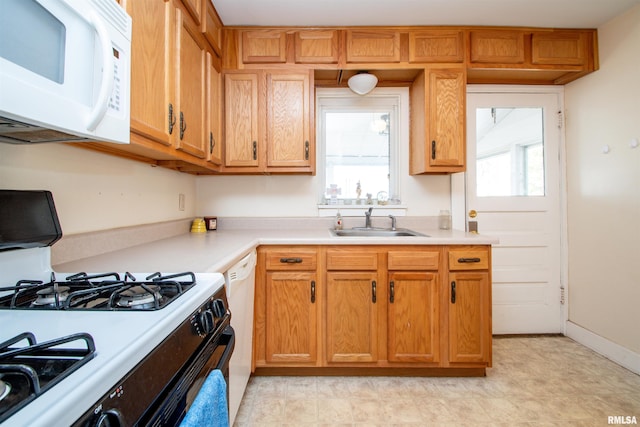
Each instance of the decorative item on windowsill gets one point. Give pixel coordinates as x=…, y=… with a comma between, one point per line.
x=362, y=83
x=369, y=200
x=358, y=193
x=383, y=198
x=333, y=191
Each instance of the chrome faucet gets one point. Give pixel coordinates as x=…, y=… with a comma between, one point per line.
x=393, y=222
x=367, y=221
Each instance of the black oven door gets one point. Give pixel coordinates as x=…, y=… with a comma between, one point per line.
x=171, y=408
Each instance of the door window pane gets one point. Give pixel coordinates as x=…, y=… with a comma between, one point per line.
x=509, y=152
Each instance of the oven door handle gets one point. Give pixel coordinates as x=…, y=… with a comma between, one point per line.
x=229, y=335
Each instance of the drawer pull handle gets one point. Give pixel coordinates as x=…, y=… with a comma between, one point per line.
x=313, y=291
x=453, y=292
x=468, y=260
x=373, y=292
x=291, y=260
x=392, y=292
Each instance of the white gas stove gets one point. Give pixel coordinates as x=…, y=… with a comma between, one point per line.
x=128, y=324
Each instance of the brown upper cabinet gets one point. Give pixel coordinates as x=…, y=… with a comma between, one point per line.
x=317, y=47
x=559, y=48
x=264, y=47
x=497, y=47
x=269, y=122
x=436, y=46
x=373, y=46
x=437, y=115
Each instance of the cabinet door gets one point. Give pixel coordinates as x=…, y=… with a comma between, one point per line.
x=373, y=46
x=446, y=119
x=412, y=324
x=469, y=296
x=241, y=119
x=559, y=48
x=288, y=120
x=291, y=319
x=497, y=47
x=316, y=47
x=190, y=86
x=352, y=317
x=436, y=46
x=264, y=47
x=437, y=142
x=214, y=121
x=152, y=111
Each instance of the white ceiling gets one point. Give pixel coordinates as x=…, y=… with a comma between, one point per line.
x=530, y=13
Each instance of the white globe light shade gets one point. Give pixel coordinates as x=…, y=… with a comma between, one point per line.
x=362, y=83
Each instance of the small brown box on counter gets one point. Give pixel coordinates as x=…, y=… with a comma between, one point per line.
x=211, y=222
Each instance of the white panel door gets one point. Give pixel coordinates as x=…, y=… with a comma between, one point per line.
x=513, y=185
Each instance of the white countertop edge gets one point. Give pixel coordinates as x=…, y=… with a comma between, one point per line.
x=217, y=251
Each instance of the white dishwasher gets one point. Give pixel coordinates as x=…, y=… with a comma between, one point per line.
x=240, y=281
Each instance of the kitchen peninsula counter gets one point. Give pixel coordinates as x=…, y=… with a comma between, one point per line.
x=216, y=251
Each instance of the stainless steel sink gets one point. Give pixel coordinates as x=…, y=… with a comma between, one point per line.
x=375, y=232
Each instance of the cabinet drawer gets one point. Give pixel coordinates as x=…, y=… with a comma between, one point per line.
x=291, y=260
x=351, y=260
x=413, y=260
x=469, y=259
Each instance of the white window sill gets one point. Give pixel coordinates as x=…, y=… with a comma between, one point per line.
x=358, y=210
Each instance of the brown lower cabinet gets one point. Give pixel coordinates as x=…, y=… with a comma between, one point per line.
x=370, y=309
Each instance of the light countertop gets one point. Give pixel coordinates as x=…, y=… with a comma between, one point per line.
x=216, y=251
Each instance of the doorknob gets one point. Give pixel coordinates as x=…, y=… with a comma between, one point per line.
x=473, y=225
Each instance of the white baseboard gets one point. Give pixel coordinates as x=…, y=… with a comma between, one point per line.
x=615, y=352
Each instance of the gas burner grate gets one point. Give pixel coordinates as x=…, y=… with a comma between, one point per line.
x=33, y=369
x=105, y=291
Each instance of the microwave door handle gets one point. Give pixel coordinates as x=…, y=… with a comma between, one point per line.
x=97, y=114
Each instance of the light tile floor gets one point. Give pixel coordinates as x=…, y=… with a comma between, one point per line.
x=541, y=381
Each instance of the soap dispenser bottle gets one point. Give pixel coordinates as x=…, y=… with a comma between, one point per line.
x=338, y=223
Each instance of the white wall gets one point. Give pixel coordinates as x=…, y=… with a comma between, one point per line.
x=94, y=191
x=603, y=198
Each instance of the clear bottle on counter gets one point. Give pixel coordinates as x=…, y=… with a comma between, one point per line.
x=338, y=222
x=444, y=220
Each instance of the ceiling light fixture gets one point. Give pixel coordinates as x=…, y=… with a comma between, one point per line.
x=362, y=83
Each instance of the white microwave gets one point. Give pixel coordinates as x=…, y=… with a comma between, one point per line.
x=64, y=71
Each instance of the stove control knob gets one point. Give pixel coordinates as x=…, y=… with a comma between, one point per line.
x=218, y=307
x=110, y=418
x=205, y=323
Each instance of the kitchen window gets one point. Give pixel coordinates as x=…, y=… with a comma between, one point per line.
x=358, y=148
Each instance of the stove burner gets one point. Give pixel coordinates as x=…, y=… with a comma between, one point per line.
x=51, y=296
x=5, y=389
x=143, y=296
x=106, y=291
